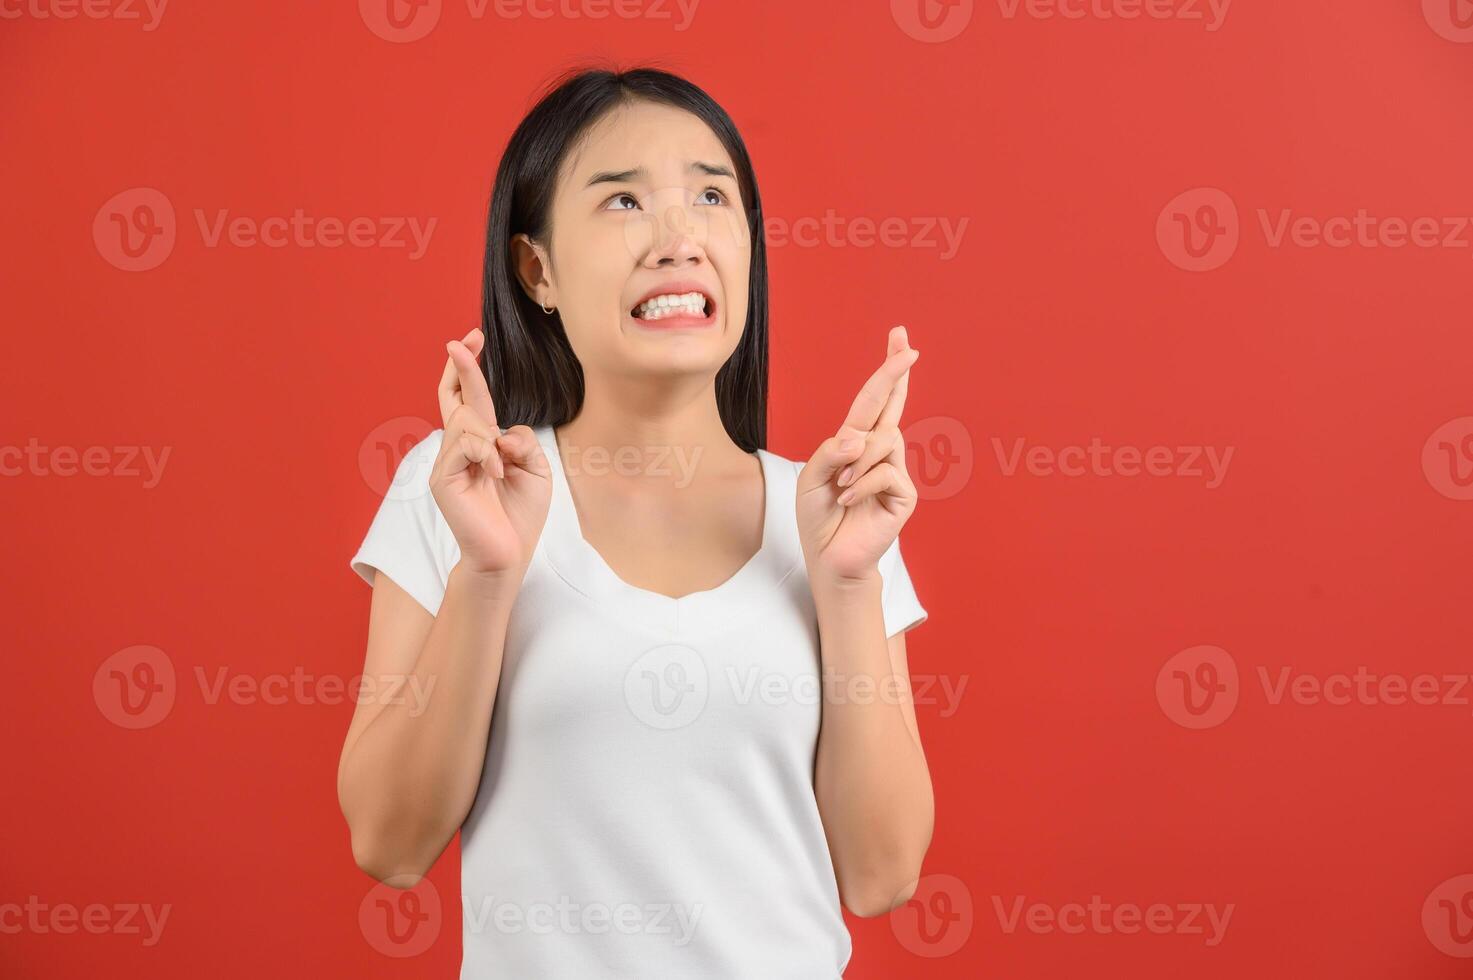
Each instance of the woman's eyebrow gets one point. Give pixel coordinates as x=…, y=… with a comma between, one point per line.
x=624, y=176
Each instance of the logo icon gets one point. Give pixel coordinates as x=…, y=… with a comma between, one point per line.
x=938, y=456
x=400, y=21
x=672, y=213
x=1447, y=459
x=1198, y=231
x=932, y=21
x=1451, y=19
x=135, y=687
x=938, y=918
x=1447, y=916
x=667, y=686
x=401, y=921
x=135, y=230
x=383, y=449
x=1198, y=688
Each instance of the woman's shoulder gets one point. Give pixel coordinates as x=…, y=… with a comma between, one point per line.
x=782, y=468
x=782, y=461
x=411, y=473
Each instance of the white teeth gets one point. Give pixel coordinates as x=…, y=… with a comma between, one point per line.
x=669, y=304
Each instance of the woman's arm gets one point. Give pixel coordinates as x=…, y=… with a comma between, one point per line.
x=870, y=776
x=410, y=769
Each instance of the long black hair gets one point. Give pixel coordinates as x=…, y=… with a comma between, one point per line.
x=530, y=366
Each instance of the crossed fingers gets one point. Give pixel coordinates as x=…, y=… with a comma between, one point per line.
x=466, y=406
x=875, y=414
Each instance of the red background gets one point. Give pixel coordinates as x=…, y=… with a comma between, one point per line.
x=1056, y=600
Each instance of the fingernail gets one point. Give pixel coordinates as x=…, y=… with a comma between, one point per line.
x=849, y=445
x=846, y=496
x=845, y=475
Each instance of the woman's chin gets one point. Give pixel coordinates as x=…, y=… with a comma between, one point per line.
x=683, y=352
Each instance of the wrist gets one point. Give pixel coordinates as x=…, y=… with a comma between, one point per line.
x=828, y=584
x=489, y=582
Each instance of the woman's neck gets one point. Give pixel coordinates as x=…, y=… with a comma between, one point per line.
x=650, y=424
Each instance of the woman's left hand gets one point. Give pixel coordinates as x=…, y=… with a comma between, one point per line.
x=854, y=494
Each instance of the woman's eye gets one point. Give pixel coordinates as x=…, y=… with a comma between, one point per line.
x=612, y=204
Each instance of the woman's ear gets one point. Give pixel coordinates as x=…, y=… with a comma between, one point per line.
x=533, y=269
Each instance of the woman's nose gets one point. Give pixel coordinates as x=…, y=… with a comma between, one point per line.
x=678, y=234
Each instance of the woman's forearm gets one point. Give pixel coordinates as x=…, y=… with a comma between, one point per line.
x=870, y=776
x=409, y=779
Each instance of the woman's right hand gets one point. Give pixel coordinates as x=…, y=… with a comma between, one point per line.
x=493, y=488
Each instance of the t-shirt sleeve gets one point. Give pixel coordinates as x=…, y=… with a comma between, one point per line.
x=902, y=610
x=409, y=540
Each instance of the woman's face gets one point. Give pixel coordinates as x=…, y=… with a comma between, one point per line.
x=638, y=212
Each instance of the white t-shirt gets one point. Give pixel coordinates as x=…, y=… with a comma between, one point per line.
x=646, y=807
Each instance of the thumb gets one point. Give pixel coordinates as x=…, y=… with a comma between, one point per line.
x=521, y=447
x=481, y=451
x=832, y=455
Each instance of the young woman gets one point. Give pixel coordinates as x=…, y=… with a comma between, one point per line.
x=669, y=710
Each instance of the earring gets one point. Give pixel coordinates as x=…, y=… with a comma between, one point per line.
x=547, y=311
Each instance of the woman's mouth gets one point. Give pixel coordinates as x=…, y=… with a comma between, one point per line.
x=667, y=310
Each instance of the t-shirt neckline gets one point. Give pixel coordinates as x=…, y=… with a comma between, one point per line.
x=581, y=565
